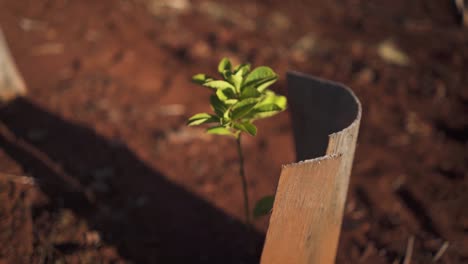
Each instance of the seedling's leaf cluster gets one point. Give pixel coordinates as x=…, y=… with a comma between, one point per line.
x=240, y=97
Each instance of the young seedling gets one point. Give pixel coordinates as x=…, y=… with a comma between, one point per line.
x=240, y=97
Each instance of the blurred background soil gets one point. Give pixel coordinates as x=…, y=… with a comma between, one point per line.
x=102, y=169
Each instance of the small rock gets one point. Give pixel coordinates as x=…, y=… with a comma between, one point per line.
x=160, y=7
x=415, y=125
x=200, y=50
x=92, y=35
x=279, y=21
x=390, y=53
x=304, y=47
x=65, y=218
x=365, y=76
x=219, y=11
x=177, y=4
x=114, y=115
x=27, y=24
x=172, y=110
x=51, y=48
x=185, y=135
x=357, y=49
x=92, y=238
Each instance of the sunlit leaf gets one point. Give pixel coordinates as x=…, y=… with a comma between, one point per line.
x=270, y=106
x=261, y=78
x=243, y=107
x=262, y=85
x=219, y=130
x=201, y=78
x=224, y=65
x=259, y=115
x=243, y=68
x=249, y=92
x=272, y=98
x=218, y=106
x=247, y=127
x=219, y=84
x=239, y=98
x=227, y=96
x=236, y=80
x=202, y=118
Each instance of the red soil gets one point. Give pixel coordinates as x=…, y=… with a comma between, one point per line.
x=119, y=178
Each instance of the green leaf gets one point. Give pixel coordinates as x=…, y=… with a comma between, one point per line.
x=261, y=78
x=271, y=105
x=268, y=108
x=249, y=92
x=243, y=68
x=236, y=80
x=201, y=78
x=247, y=127
x=272, y=98
x=218, y=106
x=202, y=118
x=224, y=65
x=240, y=97
x=227, y=96
x=243, y=107
x=219, y=84
x=253, y=115
x=261, y=86
x=264, y=206
x=219, y=130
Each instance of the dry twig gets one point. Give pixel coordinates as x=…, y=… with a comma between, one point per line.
x=441, y=251
x=409, y=251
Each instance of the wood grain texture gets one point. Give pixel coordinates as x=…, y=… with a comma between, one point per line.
x=310, y=198
x=11, y=82
x=301, y=211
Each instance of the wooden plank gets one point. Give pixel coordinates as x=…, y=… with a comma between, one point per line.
x=11, y=82
x=308, y=209
x=305, y=232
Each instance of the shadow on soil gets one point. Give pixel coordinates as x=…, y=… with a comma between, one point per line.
x=148, y=218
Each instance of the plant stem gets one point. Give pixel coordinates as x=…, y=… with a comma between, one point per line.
x=244, y=180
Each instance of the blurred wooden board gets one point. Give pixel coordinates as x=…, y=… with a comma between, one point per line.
x=11, y=82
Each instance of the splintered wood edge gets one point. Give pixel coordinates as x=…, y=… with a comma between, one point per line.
x=12, y=83
x=308, y=209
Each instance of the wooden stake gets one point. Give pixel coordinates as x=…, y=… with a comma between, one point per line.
x=308, y=209
x=11, y=82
